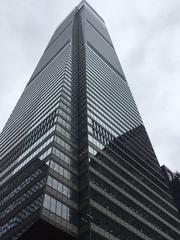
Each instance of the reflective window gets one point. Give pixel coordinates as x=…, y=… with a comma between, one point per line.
x=60, y=209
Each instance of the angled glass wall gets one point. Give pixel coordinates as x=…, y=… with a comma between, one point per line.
x=75, y=158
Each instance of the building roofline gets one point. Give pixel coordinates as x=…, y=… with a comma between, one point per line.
x=84, y=2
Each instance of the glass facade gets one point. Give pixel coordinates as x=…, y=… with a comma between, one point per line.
x=75, y=154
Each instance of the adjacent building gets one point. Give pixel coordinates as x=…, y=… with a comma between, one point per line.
x=173, y=180
x=75, y=159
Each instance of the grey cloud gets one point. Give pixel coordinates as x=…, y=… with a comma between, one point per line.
x=146, y=35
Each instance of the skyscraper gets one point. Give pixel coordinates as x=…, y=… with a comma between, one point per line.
x=76, y=161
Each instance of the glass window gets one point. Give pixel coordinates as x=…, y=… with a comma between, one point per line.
x=49, y=181
x=59, y=209
x=56, y=167
x=53, y=205
x=55, y=184
x=64, y=212
x=65, y=191
x=52, y=164
x=60, y=170
x=66, y=174
x=60, y=187
x=46, y=203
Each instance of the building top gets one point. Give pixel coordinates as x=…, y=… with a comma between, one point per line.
x=78, y=7
x=85, y=3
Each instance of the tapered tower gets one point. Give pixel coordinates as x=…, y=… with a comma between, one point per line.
x=75, y=158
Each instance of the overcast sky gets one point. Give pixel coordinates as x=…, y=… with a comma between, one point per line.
x=146, y=36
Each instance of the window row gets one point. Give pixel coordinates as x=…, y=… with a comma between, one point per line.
x=60, y=209
x=64, y=157
x=22, y=198
x=103, y=121
x=23, y=163
x=95, y=142
x=103, y=59
x=111, y=226
x=116, y=115
x=28, y=119
x=107, y=119
x=31, y=127
x=63, y=172
x=122, y=178
x=60, y=187
x=120, y=95
x=132, y=194
x=65, y=115
x=65, y=101
x=62, y=143
x=32, y=137
x=19, y=187
x=125, y=214
x=64, y=132
x=28, y=150
x=63, y=122
x=21, y=216
x=66, y=108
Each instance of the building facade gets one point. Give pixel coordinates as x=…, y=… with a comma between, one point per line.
x=75, y=159
x=173, y=181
